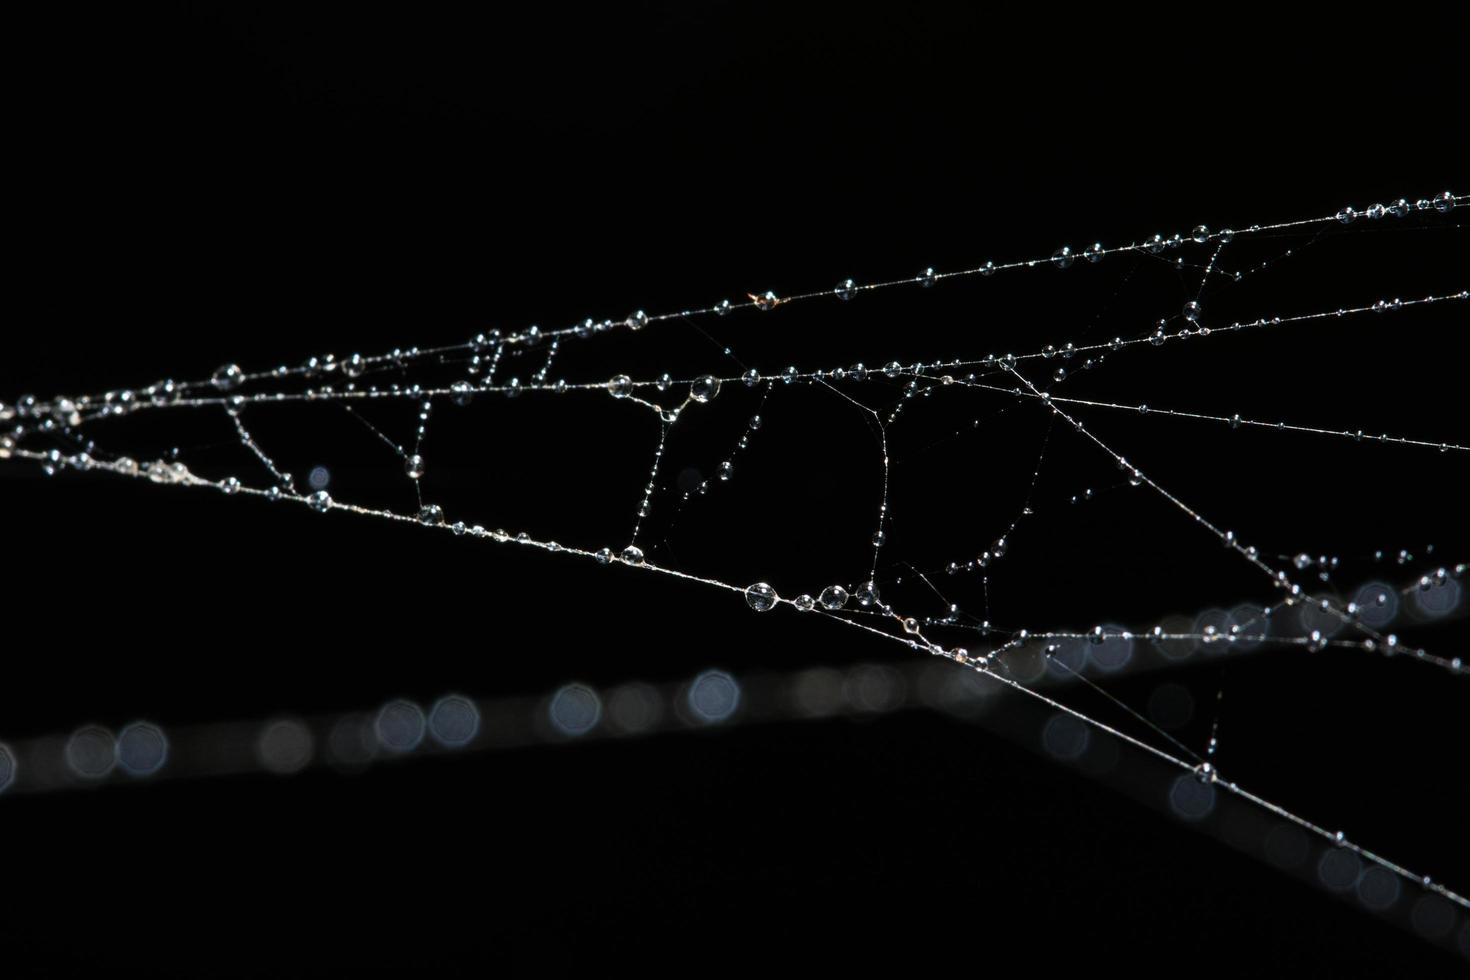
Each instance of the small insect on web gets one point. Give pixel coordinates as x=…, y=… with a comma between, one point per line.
x=1031, y=402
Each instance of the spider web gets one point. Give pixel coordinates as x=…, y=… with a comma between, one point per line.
x=932, y=596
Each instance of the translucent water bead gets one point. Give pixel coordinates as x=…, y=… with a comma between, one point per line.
x=761, y=597
x=704, y=388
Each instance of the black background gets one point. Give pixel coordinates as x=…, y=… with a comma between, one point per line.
x=201, y=187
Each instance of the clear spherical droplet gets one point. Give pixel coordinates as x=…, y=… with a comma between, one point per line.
x=319, y=501
x=846, y=289
x=760, y=597
x=1200, y=234
x=1191, y=311
x=632, y=554
x=833, y=597
x=620, y=386
x=431, y=514
x=704, y=388
x=413, y=466
x=228, y=377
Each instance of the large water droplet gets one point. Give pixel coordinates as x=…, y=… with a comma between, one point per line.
x=228, y=377
x=760, y=597
x=833, y=597
x=704, y=388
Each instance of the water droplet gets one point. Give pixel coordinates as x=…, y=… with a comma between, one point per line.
x=413, y=466
x=1200, y=234
x=704, y=388
x=620, y=386
x=431, y=514
x=632, y=554
x=927, y=278
x=726, y=470
x=319, y=501
x=804, y=602
x=846, y=289
x=1062, y=257
x=228, y=377
x=767, y=301
x=1444, y=201
x=637, y=320
x=867, y=593
x=760, y=597
x=462, y=393
x=1191, y=311
x=833, y=597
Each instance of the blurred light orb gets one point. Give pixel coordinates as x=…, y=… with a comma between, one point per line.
x=635, y=708
x=142, y=749
x=1191, y=798
x=713, y=697
x=874, y=688
x=1065, y=737
x=1378, y=604
x=352, y=742
x=575, y=710
x=1247, y=627
x=319, y=478
x=454, y=721
x=1439, y=599
x=1287, y=846
x=91, y=752
x=817, y=692
x=1433, y=918
x=1066, y=657
x=1114, y=652
x=1378, y=889
x=1338, y=869
x=285, y=746
x=400, y=725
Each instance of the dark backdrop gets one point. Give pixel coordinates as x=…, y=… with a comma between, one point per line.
x=196, y=186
